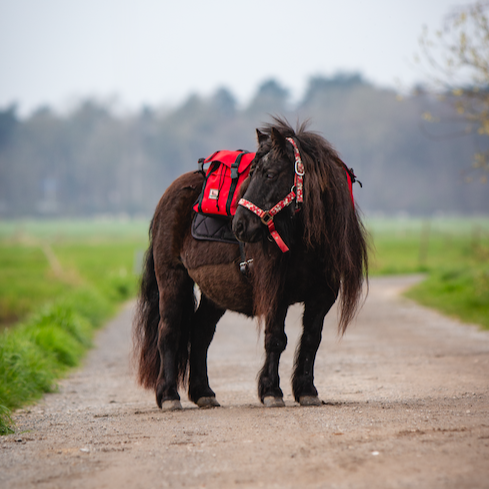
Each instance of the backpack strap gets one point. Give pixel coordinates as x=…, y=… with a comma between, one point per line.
x=234, y=180
x=211, y=170
x=351, y=179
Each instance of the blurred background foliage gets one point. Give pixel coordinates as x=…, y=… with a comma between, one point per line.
x=97, y=160
x=456, y=64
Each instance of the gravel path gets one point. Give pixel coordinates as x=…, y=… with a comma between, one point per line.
x=406, y=405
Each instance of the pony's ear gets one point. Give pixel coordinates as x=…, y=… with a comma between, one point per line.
x=261, y=136
x=278, y=141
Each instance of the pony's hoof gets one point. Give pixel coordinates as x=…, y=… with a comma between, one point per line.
x=273, y=402
x=207, y=402
x=173, y=405
x=310, y=401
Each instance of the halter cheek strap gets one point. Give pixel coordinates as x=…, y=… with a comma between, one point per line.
x=267, y=216
x=299, y=172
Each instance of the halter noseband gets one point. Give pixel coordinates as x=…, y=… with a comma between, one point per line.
x=267, y=216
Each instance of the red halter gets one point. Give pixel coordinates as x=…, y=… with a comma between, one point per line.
x=267, y=216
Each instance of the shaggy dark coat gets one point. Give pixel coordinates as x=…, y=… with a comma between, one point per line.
x=327, y=258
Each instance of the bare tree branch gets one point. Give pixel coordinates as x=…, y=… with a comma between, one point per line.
x=457, y=60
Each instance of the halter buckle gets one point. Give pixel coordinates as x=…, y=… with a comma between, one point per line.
x=298, y=165
x=267, y=218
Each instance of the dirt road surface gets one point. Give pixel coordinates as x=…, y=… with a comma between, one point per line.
x=406, y=405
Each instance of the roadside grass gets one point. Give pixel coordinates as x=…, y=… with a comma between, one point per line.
x=58, y=285
x=462, y=293
x=454, y=255
x=34, y=354
x=26, y=281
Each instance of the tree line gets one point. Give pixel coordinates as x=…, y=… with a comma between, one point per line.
x=93, y=160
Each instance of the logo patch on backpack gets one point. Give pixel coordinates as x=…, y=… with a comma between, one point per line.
x=213, y=193
x=227, y=171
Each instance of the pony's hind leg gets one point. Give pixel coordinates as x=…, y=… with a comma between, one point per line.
x=315, y=310
x=202, y=331
x=177, y=307
x=269, y=390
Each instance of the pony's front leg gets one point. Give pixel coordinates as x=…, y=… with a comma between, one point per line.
x=269, y=390
x=303, y=387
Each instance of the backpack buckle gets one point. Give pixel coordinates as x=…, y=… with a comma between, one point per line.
x=200, y=164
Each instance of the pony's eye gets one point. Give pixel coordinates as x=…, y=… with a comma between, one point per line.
x=270, y=175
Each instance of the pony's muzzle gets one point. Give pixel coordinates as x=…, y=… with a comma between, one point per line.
x=245, y=228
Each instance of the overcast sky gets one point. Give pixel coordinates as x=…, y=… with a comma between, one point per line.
x=159, y=51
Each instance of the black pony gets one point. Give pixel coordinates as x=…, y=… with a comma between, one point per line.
x=297, y=198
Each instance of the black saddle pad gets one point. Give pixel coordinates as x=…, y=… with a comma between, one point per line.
x=209, y=228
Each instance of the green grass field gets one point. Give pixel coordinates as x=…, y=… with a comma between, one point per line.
x=454, y=255
x=41, y=261
x=420, y=246
x=60, y=280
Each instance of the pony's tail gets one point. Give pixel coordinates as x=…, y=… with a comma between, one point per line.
x=145, y=324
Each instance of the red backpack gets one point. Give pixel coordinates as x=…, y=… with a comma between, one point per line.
x=226, y=173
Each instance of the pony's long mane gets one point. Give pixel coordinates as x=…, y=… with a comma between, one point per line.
x=332, y=225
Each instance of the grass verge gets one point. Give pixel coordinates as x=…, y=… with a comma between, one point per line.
x=462, y=293
x=59, y=288
x=454, y=254
x=36, y=353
